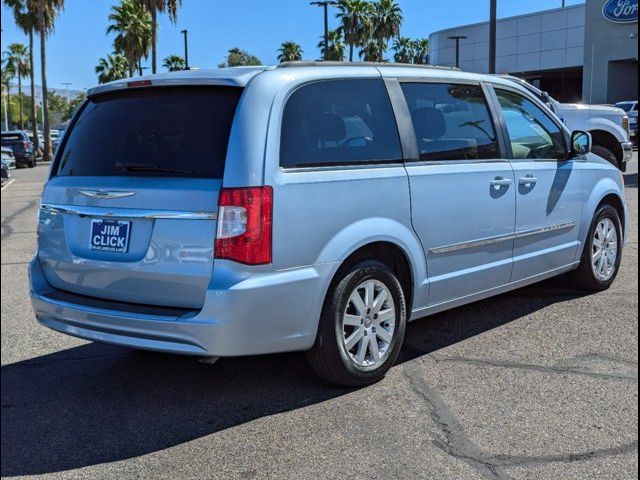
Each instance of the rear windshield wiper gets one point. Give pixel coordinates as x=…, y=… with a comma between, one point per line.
x=147, y=167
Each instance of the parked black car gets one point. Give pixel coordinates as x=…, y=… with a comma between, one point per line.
x=18, y=141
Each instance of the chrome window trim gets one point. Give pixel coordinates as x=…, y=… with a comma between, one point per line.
x=84, y=211
x=502, y=238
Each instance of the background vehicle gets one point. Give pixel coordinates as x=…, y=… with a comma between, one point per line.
x=18, y=141
x=631, y=107
x=8, y=158
x=319, y=209
x=608, y=125
x=5, y=171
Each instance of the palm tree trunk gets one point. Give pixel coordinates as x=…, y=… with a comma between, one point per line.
x=154, y=39
x=351, y=52
x=34, y=118
x=46, y=156
x=20, y=96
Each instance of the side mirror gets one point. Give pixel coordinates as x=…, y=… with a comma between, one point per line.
x=580, y=143
x=546, y=98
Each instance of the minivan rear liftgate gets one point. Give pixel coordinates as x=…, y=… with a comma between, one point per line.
x=129, y=213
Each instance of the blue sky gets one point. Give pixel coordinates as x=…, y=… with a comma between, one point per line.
x=258, y=26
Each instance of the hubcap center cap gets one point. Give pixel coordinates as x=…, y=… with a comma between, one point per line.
x=367, y=322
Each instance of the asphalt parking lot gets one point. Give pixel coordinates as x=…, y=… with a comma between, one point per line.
x=540, y=383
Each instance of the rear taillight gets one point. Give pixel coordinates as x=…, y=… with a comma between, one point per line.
x=245, y=219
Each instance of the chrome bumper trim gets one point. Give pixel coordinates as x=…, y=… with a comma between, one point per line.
x=627, y=151
x=83, y=211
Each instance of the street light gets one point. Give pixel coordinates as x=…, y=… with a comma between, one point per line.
x=325, y=5
x=457, y=38
x=186, y=50
x=492, y=35
x=66, y=84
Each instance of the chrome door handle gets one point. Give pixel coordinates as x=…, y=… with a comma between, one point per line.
x=500, y=182
x=528, y=180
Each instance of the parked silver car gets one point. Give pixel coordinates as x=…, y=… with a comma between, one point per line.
x=315, y=207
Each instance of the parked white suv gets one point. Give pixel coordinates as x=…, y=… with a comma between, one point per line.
x=608, y=125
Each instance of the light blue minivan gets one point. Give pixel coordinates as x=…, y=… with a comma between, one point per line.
x=312, y=207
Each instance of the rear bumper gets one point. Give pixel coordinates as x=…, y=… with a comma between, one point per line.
x=265, y=313
x=23, y=159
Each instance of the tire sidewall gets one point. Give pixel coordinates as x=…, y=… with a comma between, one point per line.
x=604, y=152
x=369, y=270
x=606, y=211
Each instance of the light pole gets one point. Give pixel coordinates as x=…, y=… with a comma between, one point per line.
x=457, y=38
x=492, y=36
x=66, y=84
x=325, y=6
x=186, y=50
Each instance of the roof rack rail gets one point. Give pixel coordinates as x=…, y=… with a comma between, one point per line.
x=322, y=63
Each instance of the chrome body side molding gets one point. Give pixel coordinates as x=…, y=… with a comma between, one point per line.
x=502, y=238
x=126, y=212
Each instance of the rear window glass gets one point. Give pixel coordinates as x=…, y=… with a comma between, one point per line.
x=172, y=131
x=338, y=122
x=11, y=138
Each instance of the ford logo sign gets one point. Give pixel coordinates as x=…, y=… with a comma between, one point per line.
x=621, y=11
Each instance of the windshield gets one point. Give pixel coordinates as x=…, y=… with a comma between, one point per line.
x=172, y=131
x=626, y=106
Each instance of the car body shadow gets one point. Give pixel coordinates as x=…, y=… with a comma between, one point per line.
x=98, y=403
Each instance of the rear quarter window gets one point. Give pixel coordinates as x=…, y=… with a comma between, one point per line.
x=339, y=122
x=160, y=131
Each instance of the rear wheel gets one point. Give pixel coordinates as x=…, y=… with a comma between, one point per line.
x=605, y=153
x=362, y=326
x=602, y=252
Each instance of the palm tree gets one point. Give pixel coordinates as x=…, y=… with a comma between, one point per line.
x=16, y=64
x=370, y=52
x=45, y=13
x=174, y=63
x=131, y=22
x=335, y=48
x=403, y=46
x=154, y=7
x=114, y=67
x=290, y=52
x=25, y=20
x=355, y=22
x=420, y=50
x=387, y=23
x=5, y=83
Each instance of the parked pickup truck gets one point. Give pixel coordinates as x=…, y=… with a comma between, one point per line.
x=608, y=125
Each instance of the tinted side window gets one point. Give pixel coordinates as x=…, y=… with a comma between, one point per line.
x=452, y=122
x=339, y=122
x=532, y=133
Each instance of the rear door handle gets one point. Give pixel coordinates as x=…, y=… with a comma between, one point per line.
x=500, y=182
x=528, y=180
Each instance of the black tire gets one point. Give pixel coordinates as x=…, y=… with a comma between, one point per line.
x=605, y=153
x=584, y=277
x=31, y=164
x=329, y=357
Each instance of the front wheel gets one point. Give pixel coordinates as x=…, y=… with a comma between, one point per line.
x=361, y=327
x=602, y=252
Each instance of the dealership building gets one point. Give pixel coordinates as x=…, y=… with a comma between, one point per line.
x=586, y=52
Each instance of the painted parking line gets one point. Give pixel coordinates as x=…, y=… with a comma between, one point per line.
x=8, y=183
